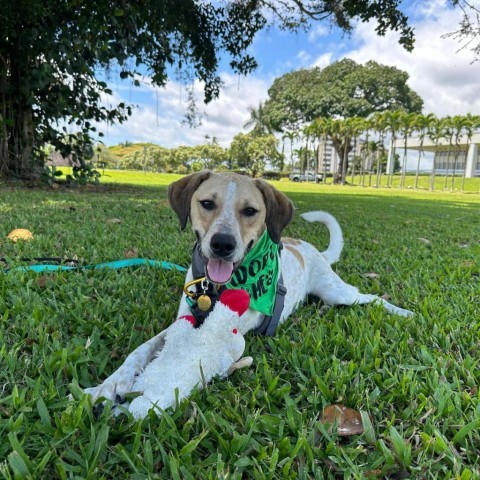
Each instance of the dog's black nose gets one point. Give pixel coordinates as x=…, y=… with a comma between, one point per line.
x=223, y=244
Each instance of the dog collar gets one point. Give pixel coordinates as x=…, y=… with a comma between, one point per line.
x=268, y=287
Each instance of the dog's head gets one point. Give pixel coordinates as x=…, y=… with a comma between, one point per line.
x=229, y=213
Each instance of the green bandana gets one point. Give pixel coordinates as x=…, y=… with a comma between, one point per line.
x=258, y=274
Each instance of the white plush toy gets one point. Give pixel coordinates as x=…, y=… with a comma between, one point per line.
x=192, y=356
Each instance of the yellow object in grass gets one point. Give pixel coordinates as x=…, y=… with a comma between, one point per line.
x=20, y=234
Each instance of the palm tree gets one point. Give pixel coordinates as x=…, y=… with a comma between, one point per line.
x=364, y=150
x=435, y=132
x=342, y=132
x=460, y=125
x=423, y=124
x=373, y=151
x=259, y=121
x=337, y=134
x=391, y=121
x=365, y=159
x=357, y=126
x=448, y=132
x=321, y=128
x=408, y=121
x=291, y=136
x=381, y=123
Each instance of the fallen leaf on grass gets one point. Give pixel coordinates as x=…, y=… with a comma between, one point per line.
x=114, y=220
x=374, y=473
x=424, y=240
x=131, y=253
x=348, y=420
x=20, y=234
x=371, y=275
x=88, y=343
x=43, y=281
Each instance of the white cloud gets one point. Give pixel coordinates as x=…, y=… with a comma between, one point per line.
x=159, y=115
x=319, y=30
x=303, y=57
x=441, y=74
x=323, y=60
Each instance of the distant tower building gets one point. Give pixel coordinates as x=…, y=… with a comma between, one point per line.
x=329, y=159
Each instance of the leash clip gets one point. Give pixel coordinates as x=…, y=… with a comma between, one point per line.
x=203, y=300
x=186, y=287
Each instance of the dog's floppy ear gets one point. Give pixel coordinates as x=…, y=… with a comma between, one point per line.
x=180, y=194
x=279, y=209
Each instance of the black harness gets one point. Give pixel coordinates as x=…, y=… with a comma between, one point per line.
x=269, y=323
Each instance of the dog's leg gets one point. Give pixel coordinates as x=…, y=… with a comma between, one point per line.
x=333, y=290
x=120, y=382
x=363, y=298
x=242, y=363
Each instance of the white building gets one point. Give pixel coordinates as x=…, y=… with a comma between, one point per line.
x=461, y=157
x=329, y=159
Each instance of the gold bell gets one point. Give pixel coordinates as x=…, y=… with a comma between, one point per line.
x=204, y=302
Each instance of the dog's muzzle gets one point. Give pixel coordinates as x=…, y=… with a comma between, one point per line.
x=220, y=267
x=223, y=245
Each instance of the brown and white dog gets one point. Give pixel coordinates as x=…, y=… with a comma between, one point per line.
x=229, y=214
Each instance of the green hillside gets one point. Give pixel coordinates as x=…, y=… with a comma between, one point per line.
x=123, y=149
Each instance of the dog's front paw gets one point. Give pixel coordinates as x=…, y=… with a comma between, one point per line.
x=242, y=363
x=140, y=406
x=114, y=388
x=403, y=312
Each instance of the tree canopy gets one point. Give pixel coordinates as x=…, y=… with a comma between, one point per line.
x=54, y=55
x=252, y=152
x=343, y=89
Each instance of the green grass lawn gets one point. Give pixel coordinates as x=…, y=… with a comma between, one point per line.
x=415, y=380
x=471, y=185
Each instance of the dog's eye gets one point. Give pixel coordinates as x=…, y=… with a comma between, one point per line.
x=207, y=204
x=249, y=211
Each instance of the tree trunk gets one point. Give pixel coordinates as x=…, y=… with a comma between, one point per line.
x=343, y=148
x=417, y=171
x=3, y=119
x=432, y=174
x=344, y=165
x=17, y=130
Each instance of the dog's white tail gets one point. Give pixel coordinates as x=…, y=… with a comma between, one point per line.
x=332, y=253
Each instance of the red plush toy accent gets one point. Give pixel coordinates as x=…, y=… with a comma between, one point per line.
x=189, y=318
x=236, y=300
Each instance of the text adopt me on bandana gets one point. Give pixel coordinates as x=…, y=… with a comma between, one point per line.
x=258, y=274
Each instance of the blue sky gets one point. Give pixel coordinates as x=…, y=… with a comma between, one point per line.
x=446, y=78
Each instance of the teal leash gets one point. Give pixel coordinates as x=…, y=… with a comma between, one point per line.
x=115, y=265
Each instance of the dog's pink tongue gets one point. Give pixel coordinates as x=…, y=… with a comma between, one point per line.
x=219, y=271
